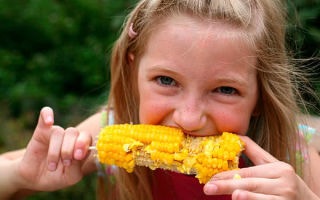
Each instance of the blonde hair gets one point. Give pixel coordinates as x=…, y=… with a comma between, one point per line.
x=262, y=25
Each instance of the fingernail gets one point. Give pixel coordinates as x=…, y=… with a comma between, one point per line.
x=49, y=120
x=52, y=166
x=66, y=162
x=240, y=194
x=210, y=188
x=78, y=154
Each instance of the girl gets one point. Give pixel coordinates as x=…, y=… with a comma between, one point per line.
x=202, y=66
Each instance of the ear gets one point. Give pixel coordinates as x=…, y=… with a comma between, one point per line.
x=130, y=58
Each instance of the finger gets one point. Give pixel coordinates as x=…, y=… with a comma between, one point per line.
x=255, y=153
x=257, y=185
x=73, y=172
x=246, y=195
x=259, y=171
x=45, y=118
x=82, y=145
x=68, y=144
x=45, y=122
x=56, y=140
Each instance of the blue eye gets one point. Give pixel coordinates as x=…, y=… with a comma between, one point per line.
x=226, y=90
x=165, y=80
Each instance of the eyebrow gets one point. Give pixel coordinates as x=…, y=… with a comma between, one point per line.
x=163, y=68
x=231, y=80
x=160, y=67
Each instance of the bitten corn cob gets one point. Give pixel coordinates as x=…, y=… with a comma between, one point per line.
x=163, y=147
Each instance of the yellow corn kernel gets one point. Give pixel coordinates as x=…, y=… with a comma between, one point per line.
x=155, y=146
x=236, y=176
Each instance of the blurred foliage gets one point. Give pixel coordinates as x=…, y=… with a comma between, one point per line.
x=303, y=27
x=303, y=39
x=56, y=53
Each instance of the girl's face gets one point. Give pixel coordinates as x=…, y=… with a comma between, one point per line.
x=195, y=76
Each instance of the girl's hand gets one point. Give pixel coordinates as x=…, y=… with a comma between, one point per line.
x=270, y=179
x=54, y=156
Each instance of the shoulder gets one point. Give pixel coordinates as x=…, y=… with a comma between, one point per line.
x=311, y=170
x=310, y=135
x=306, y=135
x=309, y=155
x=310, y=129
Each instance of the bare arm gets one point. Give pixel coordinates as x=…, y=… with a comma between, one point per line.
x=8, y=180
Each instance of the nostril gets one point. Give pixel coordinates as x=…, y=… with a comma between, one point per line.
x=188, y=132
x=190, y=121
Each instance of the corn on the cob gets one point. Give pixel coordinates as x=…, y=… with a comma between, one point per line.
x=163, y=147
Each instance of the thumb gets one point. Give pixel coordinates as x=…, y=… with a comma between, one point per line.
x=255, y=153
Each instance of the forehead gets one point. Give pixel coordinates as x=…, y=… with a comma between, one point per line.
x=182, y=39
x=192, y=31
x=211, y=27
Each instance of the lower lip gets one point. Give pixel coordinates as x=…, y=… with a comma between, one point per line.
x=195, y=135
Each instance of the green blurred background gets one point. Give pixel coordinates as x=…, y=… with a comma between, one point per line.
x=56, y=53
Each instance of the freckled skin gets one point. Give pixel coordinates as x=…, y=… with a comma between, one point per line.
x=201, y=60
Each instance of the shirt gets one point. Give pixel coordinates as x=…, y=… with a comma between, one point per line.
x=170, y=185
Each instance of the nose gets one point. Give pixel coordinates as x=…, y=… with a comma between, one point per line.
x=190, y=115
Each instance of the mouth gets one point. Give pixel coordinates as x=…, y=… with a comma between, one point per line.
x=188, y=133
x=197, y=134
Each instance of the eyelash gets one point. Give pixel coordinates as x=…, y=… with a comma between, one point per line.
x=220, y=90
x=160, y=80
x=173, y=83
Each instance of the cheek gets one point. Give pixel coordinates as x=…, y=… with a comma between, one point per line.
x=153, y=107
x=147, y=113
x=231, y=122
x=151, y=110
